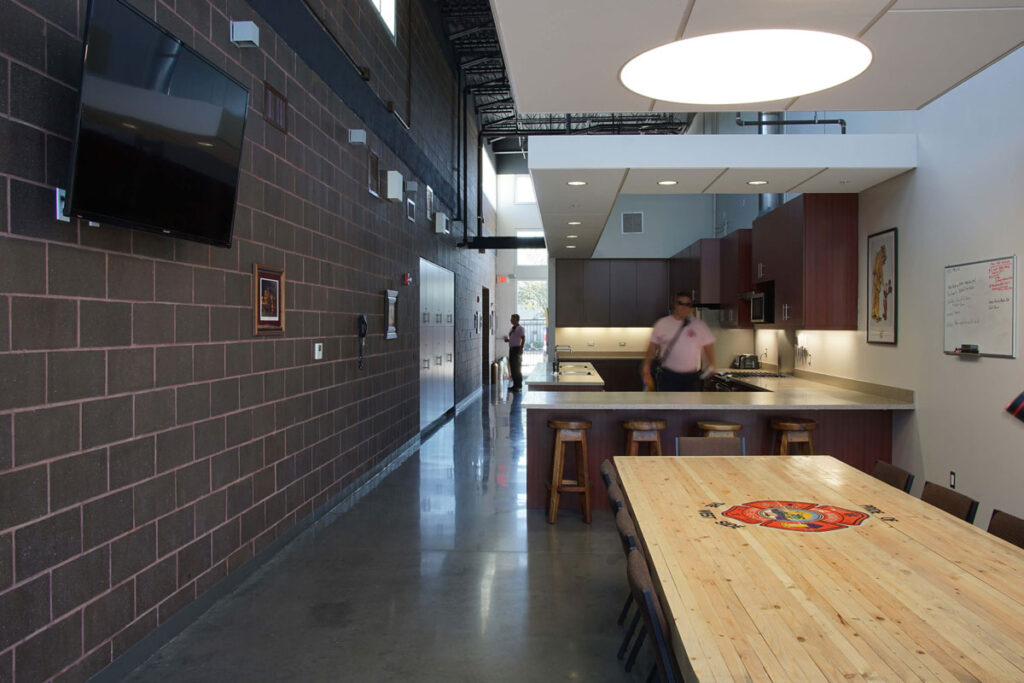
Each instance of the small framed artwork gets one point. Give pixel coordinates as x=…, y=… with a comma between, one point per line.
x=268, y=300
x=390, y=315
x=373, y=173
x=410, y=210
x=883, y=287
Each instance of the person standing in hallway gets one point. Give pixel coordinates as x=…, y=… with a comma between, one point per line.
x=516, y=339
x=678, y=341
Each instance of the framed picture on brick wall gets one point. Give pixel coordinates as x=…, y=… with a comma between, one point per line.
x=268, y=300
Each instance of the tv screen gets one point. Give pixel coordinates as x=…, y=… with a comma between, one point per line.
x=159, y=134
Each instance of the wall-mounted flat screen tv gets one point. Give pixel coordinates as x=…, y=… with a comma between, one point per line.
x=160, y=131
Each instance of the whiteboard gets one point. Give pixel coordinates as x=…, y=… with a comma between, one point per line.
x=981, y=303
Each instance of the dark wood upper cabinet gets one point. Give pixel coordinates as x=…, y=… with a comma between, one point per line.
x=808, y=248
x=735, y=280
x=696, y=269
x=596, y=290
x=610, y=292
x=569, y=293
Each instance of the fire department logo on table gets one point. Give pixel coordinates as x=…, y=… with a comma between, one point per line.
x=794, y=515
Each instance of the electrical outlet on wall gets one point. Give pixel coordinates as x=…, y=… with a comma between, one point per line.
x=318, y=351
x=952, y=479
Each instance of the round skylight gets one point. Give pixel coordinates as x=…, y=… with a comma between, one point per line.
x=745, y=66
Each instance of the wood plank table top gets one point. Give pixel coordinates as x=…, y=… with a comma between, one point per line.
x=864, y=582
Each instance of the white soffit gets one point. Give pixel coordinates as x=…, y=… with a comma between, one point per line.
x=702, y=164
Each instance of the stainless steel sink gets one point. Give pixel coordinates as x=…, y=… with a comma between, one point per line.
x=574, y=372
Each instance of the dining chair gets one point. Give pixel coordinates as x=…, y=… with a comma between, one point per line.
x=953, y=502
x=627, y=534
x=615, y=497
x=1007, y=527
x=707, y=445
x=655, y=624
x=893, y=476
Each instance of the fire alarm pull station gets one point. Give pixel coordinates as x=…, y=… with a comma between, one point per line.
x=407, y=279
x=362, y=339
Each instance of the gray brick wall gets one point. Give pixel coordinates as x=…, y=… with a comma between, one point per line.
x=150, y=444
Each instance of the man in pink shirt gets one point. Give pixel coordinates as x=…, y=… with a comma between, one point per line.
x=516, y=339
x=678, y=340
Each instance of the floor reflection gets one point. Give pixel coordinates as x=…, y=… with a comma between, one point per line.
x=437, y=574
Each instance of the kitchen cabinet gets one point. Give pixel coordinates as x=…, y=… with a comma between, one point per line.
x=806, y=252
x=735, y=279
x=569, y=293
x=610, y=292
x=696, y=269
x=596, y=291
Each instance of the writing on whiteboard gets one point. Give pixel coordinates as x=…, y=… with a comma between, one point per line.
x=979, y=306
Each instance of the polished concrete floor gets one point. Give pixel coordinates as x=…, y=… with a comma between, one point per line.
x=437, y=574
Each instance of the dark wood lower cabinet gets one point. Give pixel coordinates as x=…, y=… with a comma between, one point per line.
x=620, y=374
x=857, y=437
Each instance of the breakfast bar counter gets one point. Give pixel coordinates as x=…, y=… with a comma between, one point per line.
x=854, y=422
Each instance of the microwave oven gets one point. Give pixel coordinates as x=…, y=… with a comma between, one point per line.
x=760, y=308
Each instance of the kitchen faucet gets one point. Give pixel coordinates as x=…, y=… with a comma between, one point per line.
x=559, y=347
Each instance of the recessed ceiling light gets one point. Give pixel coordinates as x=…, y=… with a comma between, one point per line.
x=572, y=237
x=757, y=182
x=668, y=182
x=570, y=246
x=804, y=62
x=575, y=222
x=577, y=183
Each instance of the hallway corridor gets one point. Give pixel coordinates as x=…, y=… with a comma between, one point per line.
x=439, y=573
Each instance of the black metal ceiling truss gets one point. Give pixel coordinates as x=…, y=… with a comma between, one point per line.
x=470, y=28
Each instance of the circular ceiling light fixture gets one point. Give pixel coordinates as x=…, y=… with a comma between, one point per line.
x=575, y=222
x=576, y=183
x=745, y=66
x=572, y=237
x=570, y=246
x=757, y=182
x=668, y=182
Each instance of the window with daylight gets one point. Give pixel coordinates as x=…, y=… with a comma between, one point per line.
x=524, y=193
x=386, y=9
x=531, y=257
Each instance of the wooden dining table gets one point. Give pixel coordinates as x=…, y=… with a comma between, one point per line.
x=802, y=568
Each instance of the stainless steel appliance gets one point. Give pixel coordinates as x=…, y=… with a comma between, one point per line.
x=758, y=308
x=746, y=361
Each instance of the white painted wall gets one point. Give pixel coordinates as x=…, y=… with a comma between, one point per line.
x=963, y=203
x=512, y=217
x=671, y=223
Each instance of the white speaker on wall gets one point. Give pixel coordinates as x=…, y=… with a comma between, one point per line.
x=441, y=224
x=393, y=190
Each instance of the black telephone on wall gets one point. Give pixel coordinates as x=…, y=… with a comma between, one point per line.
x=362, y=339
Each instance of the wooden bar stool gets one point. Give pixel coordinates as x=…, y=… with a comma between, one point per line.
x=718, y=429
x=643, y=431
x=794, y=430
x=569, y=431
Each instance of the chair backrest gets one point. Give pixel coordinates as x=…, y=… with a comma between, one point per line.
x=893, y=476
x=615, y=497
x=1007, y=527
x=710, y=445
x=627, y=531
x=642, y=587
x=953, y=502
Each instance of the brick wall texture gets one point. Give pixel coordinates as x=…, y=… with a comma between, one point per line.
x=150, y=444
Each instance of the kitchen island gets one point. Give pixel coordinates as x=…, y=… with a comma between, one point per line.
x=570, y=376
x=854, y=424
